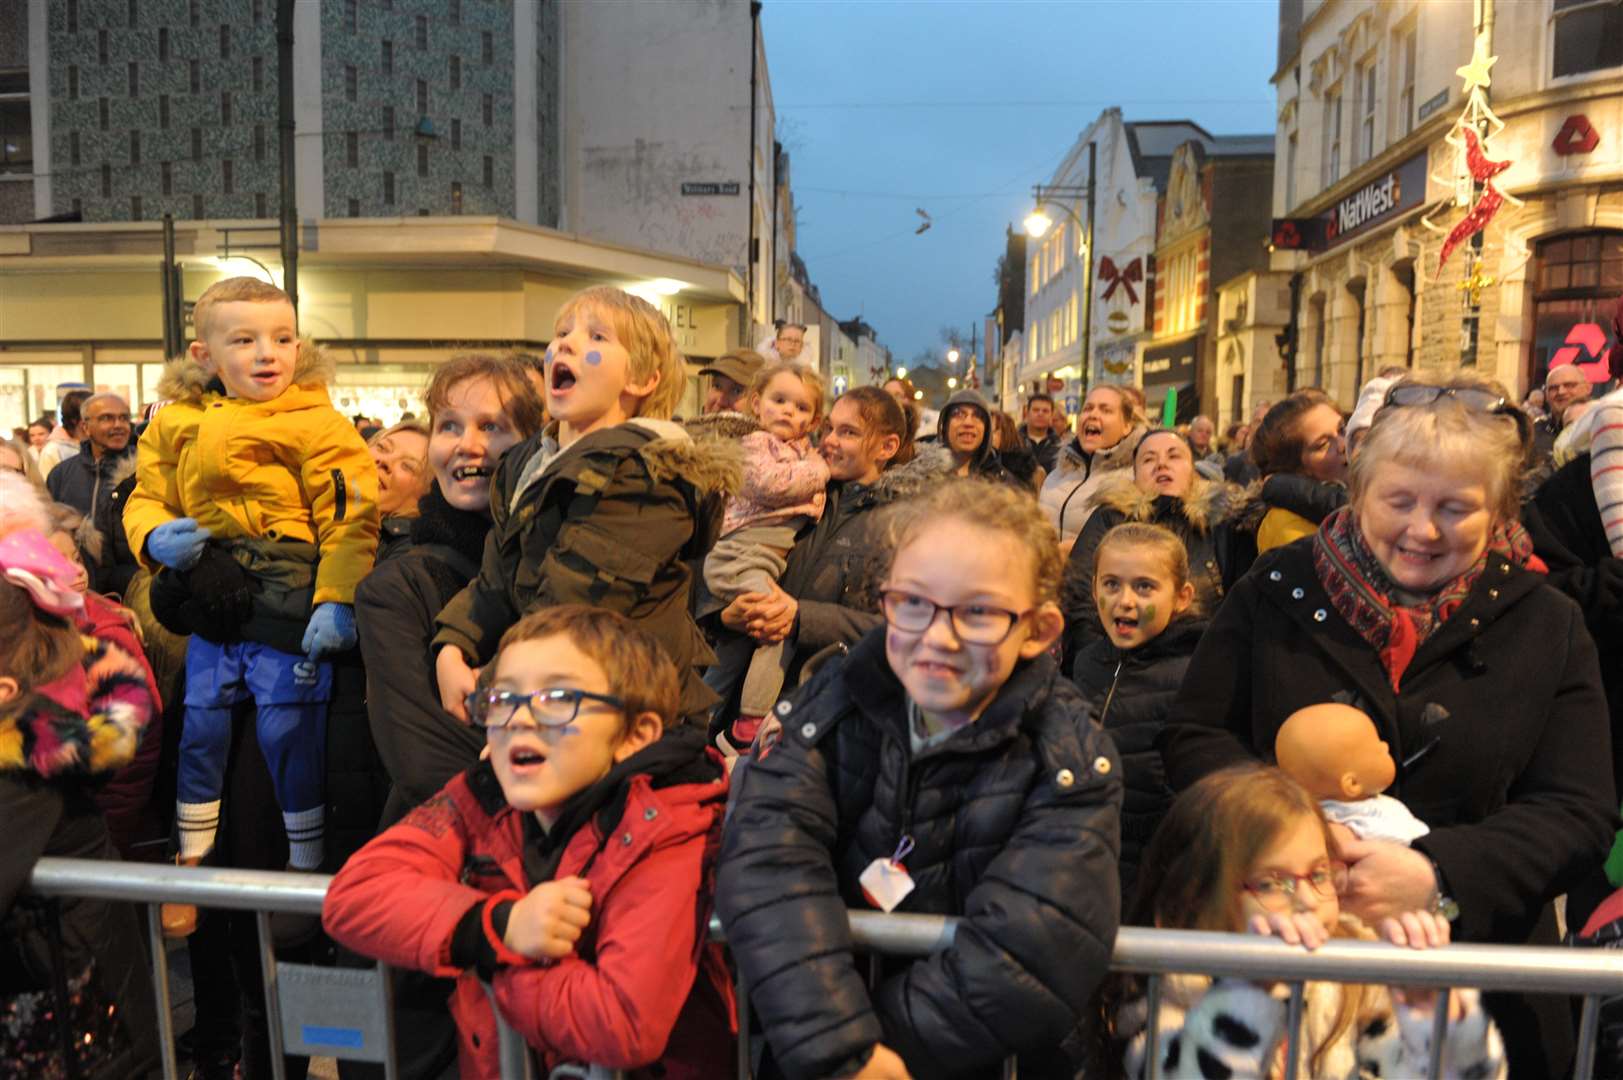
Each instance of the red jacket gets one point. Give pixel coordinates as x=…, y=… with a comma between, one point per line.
x=126, y=799
x=629, y=997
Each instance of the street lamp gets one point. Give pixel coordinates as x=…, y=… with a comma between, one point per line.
x=1038, y=223
x=918, y=395
x=952, y=356
x=952, y=382
x=901, y=373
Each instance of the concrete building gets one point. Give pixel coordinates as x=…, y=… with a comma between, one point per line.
x=1367, y=93
x=1212, y=225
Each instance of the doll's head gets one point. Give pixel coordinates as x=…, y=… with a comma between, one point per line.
x=1334, y=752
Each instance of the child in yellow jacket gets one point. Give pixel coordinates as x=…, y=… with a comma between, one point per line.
x=252, y=454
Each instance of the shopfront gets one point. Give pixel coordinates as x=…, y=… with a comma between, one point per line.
x=1577, y=283
x=1170, y=368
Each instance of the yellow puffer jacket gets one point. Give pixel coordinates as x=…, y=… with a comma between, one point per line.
x=287, y=469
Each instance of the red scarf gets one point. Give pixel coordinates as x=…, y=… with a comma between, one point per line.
x=1363, y=594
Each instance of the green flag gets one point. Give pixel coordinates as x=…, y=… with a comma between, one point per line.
x=1169, y=409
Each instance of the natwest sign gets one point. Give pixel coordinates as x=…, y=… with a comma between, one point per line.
x=1379, y=200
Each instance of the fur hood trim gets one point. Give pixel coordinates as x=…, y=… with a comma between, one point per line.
x=184, y=379
x=711, y=465
x=87, y=723
x=721, y=425
x=929, y=467
x=1206, y=506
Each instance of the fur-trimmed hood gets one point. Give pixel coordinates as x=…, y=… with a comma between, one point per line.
x=88, y=723
x=721, y=425
x=930, y=466
x=712, y=465
x=1206, y=506
x=184, y=379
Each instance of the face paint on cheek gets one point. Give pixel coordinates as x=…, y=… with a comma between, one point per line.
x=594, y=358
x=1149, y=613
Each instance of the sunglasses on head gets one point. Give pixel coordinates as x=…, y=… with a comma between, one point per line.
x=1474, y=398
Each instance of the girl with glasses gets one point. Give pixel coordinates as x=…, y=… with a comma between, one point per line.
x=1247, y=850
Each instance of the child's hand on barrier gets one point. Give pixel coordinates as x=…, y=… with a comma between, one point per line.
x=1294, y=928
x=546, y=924
x=884, y=1065
x=1416, y=930
x=178, y=544
x=331, y=630
x=456, y=681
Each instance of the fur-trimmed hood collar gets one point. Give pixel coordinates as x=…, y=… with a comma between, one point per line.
x=184, y=379
x=721, y=425
x=88, y=723
x=1206, y=506
x=930, y=466
x=712, y=465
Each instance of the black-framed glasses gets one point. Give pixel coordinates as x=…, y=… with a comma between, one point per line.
x=1474, y=398
x=1275, y=888
x=553, y=707
x=975, y=624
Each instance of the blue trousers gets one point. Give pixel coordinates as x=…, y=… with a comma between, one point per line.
x=290, y=694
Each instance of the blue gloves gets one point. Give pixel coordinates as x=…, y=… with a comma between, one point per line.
x=331, y=630
x=177, y=544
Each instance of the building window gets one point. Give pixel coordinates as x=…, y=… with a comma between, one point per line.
x=352, y=149
x=422, y=98
x=197, y=144
x=228, y=182
x=106, y=181
x=193, y=15
x=167, y=171
x=1578, y=280
x=1332, y=136
x=487, y=48
x=422, y=31
x=259, y=142
x=195, y=75
x=259, y=11
x=197, y=208
x=490, y=171
x=1290, y=172
x=351, y=18
x=388, y=58
x=73, y=81
x=388, y=189
x=260, y=209
x=1406, y=57
x=133, y=13
x=354, y=208
x=388, y=122
x=225, y=107
x=456, y=196
x=456, y=73
x=135, y=148
x=225, y=41
x=135, y=79
x=1366, y=111
x=456, y=134
x=73, y=148
x=422, y=159
x=101, y=113
x=79, y=209
x=456, y=12
x=73, y=16
x=135, y=208
x=352, y=82
x=1588, y=36
x=163, y=44
x=259, y=74
x=489, y=109
x=101, y=47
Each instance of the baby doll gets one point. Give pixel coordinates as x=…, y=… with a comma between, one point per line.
x=1335, y=752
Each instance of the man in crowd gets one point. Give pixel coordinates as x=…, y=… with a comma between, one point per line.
x=1564, y=387
x=87, y=481
x=1038, y=431
x=1202, y=439
x=790, y=341
x=64, y=441
x=730, y=378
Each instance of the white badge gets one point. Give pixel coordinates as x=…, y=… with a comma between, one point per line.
x=886, y=882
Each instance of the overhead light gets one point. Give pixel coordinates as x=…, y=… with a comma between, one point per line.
x=657, y=289
x=901, y=373
x=244, y=266
x=952, y=382
x=918, y=395
x=1037, y=223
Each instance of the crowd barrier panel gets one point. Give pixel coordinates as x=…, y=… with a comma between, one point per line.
x=363, y=995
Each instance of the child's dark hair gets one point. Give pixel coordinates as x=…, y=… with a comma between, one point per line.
x=640, y=672
x=37, y=647
x=1277, y=443
x=1140, y=535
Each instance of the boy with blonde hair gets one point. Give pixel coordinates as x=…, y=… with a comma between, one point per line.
x=572, y=868
x=256, y=505
x=600, y=508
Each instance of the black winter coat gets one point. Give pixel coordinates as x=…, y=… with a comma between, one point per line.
x=1016, y=824
x=1500, y=726
x=1132, y=692
x=1214, y=521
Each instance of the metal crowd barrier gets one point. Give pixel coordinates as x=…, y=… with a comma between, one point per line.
x=1592, y=974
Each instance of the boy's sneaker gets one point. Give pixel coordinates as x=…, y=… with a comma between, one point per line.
x=742, y=733
x=179, y=920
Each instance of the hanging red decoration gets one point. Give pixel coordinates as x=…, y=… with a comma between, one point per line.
x=1474, y=222
x=1477, y=161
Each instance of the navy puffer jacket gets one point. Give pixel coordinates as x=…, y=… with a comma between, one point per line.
x=1015, y=822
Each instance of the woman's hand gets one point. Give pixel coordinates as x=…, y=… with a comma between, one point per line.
x=884, y=1065
x=1294, y=928
x=765, y=616
x=546, y=924
x=456, y=681
x=1385, y=880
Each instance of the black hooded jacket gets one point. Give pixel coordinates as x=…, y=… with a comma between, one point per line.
x=985, y=461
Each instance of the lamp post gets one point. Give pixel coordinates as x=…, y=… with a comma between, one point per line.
x=1038, y=223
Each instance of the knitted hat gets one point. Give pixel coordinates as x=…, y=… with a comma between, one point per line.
x=28, y=560
x=1370, y=400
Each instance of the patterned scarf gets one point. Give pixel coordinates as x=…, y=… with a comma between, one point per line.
x=1363, y=594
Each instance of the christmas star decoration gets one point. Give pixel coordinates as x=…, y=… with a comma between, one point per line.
x=1475, y=73
x=1482, y=170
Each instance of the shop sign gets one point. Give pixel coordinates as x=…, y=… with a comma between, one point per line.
x=1586, y=347
x=1379, y=200
x=1297, y=234
x=729, y=187
x=1577, y=136
x=1172, y=365
x=841, y=384
x=1431, y=104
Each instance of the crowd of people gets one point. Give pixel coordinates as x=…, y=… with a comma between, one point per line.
x=550, y=677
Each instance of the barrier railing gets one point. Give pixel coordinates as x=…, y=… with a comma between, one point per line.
x=1592, y=974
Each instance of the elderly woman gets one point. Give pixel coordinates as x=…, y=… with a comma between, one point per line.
x=1111, y=423
x=1416, y=604
x=1162, y=489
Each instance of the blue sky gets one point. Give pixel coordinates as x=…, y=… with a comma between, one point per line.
x=957, y=107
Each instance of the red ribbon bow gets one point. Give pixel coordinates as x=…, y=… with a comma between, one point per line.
x=1124, y=278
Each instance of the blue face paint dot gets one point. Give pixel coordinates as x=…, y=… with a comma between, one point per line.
x=594, y=358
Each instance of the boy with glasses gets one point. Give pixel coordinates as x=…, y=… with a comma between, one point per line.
x=571, y=868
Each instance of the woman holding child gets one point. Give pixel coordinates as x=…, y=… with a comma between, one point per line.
x=1420, y=604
